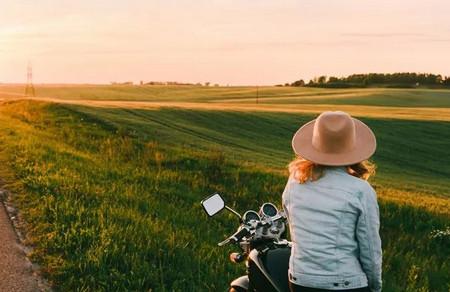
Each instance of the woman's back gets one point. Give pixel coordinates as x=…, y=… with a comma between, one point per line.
x=324, y=229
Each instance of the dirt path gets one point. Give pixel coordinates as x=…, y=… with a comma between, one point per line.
x=15, y=269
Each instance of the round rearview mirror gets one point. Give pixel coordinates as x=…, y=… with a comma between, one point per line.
x=213, y=204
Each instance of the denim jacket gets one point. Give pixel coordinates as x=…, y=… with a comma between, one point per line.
x=334, y=225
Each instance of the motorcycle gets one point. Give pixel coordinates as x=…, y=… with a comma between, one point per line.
x=259, y=238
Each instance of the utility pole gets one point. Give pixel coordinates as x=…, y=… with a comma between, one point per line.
x=257, y=94
x=29, y=88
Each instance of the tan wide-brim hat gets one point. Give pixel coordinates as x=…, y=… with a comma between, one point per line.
x=335, y=139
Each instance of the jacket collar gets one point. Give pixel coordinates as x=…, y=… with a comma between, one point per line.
x=337, y=168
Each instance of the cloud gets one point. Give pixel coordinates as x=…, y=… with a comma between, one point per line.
x=385, y=34
x=437, y=40
x=264, y=45
x=403, y=36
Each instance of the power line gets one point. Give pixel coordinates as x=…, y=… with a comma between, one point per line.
x=29, y=88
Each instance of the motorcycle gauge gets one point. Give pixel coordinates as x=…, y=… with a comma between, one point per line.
x=269, y=210
x=249, y=216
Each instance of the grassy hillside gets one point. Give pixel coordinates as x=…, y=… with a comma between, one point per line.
x=111, y=196
x=268, y=94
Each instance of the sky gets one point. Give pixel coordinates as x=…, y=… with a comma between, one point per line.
x=235, y=42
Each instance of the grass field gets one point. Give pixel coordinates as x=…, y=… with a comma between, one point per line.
x=266, y=94
x=110, y=195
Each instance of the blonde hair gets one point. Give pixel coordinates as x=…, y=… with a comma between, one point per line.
x=304, y=170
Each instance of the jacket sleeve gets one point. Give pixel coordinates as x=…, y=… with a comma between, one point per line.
x=285, y=198
x=367, y=234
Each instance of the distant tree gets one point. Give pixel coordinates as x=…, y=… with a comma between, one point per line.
x=207, y=83
x=298, y=83
x=333, y=79
x=400, y=79
x=446, y=81
x=322, y=79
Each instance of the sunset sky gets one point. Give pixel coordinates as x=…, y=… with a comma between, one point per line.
x=228, y=41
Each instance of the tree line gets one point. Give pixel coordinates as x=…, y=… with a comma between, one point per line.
x=400, y=80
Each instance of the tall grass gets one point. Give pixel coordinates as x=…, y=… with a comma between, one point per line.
x=111, y=198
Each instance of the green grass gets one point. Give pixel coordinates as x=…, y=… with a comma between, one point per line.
x=265, y=138
x=111, y=196
x=377, y=97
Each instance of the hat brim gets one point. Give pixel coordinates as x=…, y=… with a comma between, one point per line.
x=364, y=148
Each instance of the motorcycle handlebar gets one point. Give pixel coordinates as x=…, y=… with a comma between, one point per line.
x=245, y=230
x=236, y=237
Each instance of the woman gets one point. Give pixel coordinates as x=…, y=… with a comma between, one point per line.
x=332, y=210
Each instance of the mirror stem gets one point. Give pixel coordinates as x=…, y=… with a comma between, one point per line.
x=234, y=212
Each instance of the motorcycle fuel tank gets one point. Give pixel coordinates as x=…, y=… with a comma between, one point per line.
x=268, y=269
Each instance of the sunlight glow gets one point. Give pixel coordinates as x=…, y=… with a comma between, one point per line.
x=226, y=42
